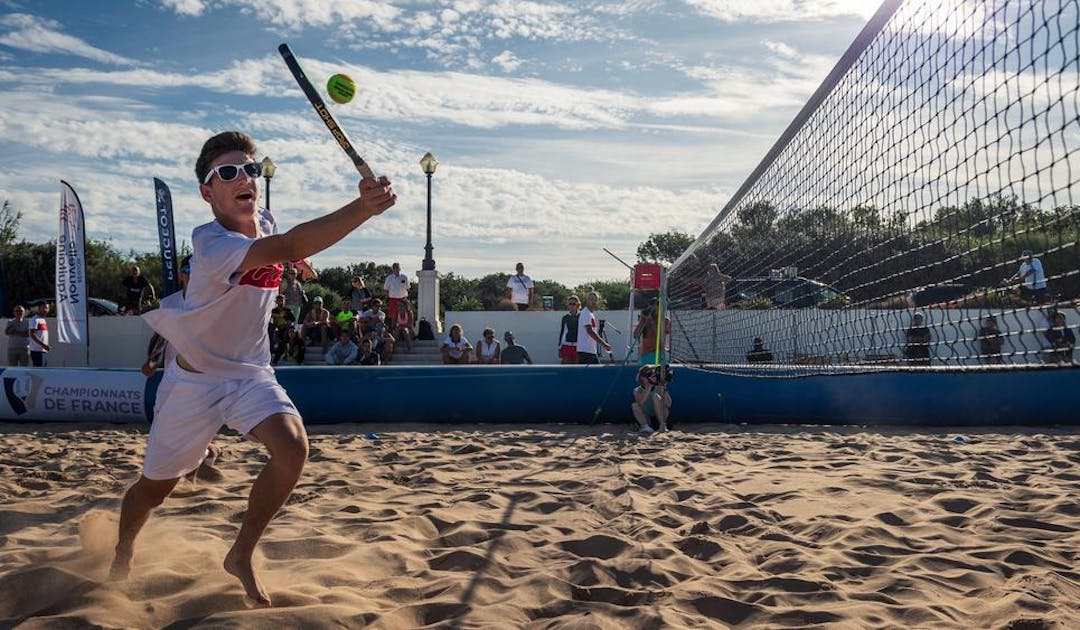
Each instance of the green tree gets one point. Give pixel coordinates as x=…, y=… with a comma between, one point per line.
x=10, y=218
x=664, y=248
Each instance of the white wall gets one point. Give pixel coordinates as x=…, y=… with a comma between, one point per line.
x=114, y=342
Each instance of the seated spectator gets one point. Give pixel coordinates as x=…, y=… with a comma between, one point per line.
x=404, y=325
x=295, y=345
x=383, y=343
x=514, y=354
x=487, y=350
x=990, y=341
x=281, y=321
x=345, y=320
x=1062, y=340
x=374, y=318
x=317, y=323
x=758, y=353
x=360, y=295
x=652, y=401
x=367, y=355
x=455, y=347
x=917, y=341
x=343, y=352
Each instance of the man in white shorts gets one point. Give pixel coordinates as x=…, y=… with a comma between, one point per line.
x=222, y=372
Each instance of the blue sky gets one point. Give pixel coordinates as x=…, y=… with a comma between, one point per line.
x=561, y=128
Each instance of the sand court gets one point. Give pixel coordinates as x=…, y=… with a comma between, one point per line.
x=562, y=526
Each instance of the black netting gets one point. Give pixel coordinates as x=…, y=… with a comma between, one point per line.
x=916, y=181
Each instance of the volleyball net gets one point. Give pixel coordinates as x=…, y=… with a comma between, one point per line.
x=921, y=209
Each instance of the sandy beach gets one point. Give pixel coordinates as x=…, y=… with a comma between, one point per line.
x=561, y=526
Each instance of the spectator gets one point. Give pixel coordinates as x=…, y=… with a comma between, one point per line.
x=397, y=289
x=367, y=355
x=514, y=354
x=645, y=331
x=135, y=287
x=1032, y=278
x=990, y=341
x=652, y=401
x=38, y=331
x=343, y=352
x=383, y=342
x=373, y=319
x=159, y=353
x=360, y=295
x=568, y=331
x=487, y=350
x=295, y=298
x=917, y=341
x=345, y=320
x=317, y=323
x=715, y=288
x=403, y=325
x=519, y=288
x=295, y=345
x=758, y=353
x=281, y=320
x=588, y=337
x=455, y=347
x=18, y=332
x=1062, y=341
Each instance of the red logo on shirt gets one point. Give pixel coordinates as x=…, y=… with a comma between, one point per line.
x=265, y=277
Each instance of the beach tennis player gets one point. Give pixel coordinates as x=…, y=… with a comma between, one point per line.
x=222, y=372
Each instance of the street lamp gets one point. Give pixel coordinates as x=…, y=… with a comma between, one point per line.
x=268, y=170
x=428, y=163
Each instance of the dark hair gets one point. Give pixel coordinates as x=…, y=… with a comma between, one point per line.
x=185, y=261
x=220, y=144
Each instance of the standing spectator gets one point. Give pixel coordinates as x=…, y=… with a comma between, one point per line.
x=588, y=336
x=917, y=341
x=295, y=298
x=990, y=341
x=455, y=347
x=519, y=288
x=343, y=352
x=568, y=330
x=715, y=288
x=18, y=332
x=360, y=295
x=397, y=289
x=514, y=354
x=1032, y=278
x=487, y=350
x=645, y=331
x=758, y=353
x=317, y=323
x=403, y=325
x=1062, y=340
x=135, y=287
x=367, y=354
x=38, y=330
x=281, y=320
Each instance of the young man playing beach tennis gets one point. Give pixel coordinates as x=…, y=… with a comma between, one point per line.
x=222, y=372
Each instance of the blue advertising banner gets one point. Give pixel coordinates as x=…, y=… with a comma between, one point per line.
x=170, y=269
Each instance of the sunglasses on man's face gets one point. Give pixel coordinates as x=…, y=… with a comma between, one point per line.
x=229, y=172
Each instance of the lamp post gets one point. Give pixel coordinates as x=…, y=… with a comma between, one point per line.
x=268, y=170
x=428, y=163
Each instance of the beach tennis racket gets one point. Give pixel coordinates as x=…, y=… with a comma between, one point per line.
x=324, y=113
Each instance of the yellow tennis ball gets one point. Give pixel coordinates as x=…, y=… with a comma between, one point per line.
x=341, y=88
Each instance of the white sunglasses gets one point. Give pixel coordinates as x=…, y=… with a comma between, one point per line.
x=229, y=172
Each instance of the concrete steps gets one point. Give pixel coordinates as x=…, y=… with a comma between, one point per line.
x=422, y=353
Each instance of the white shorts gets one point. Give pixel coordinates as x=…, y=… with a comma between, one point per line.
x=191, y=407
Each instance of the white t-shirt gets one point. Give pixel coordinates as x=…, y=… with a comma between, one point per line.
x=456, y=349
x=220, y=328
x=172, y=300
x=585, y=343
x=38, y=328
x=1036, y=280
x=397, y=286
x=519, y=288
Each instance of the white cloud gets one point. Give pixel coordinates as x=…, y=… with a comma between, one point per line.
x=191, y=8
x=783, y=10
x=35, y=34
x=506, y=61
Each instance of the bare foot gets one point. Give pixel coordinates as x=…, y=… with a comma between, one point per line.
x=241, y=568
x=121, y=566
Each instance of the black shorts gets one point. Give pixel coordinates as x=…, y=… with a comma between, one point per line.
x=522, y=307
x=587, y=358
